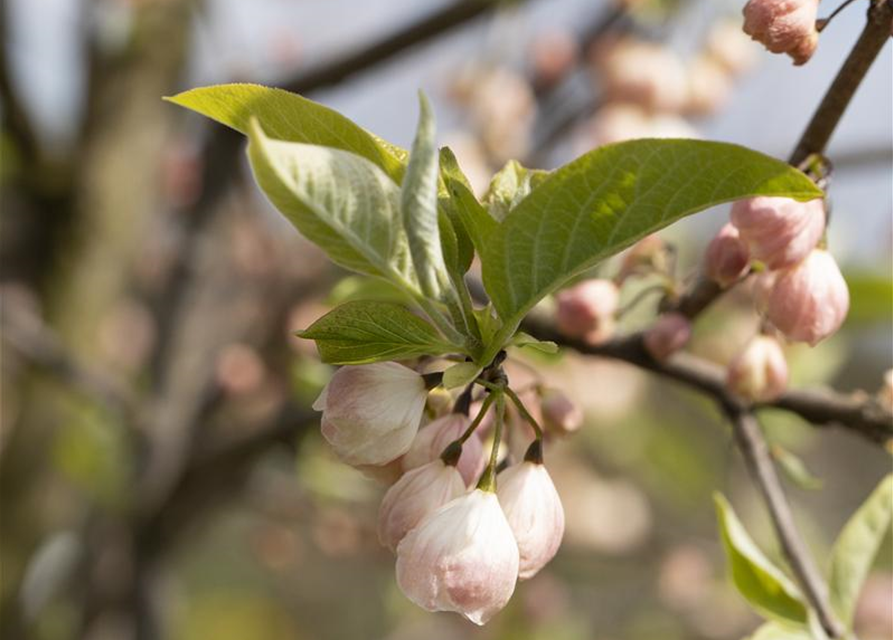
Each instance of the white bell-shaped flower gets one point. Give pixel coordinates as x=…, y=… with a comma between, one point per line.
x=462, y=557
x=371, y=412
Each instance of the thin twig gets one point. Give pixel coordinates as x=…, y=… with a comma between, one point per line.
x=826, y=118
x=821, y=408
x=756, y=454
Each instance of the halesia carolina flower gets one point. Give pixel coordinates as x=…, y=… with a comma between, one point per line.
x=560, y=413
x=371, y=412
x=779, y=231
x=534, y=512
x=808, y=302
x=587, y=310
x=669, y=333
x=784, y=26
x=462, y=557
x=760, y=372
x=415, y=495
x=434, y=438
x=727, y=257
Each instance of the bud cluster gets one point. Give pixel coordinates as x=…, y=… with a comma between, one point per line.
x=462, y=533
x=800, y=291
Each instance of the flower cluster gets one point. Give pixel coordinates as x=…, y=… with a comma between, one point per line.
x=463, y=533
x=800, y=293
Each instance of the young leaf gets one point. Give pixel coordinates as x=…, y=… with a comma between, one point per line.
x=460, y=375
x=362, y=331
x=761, y=583
x=292, y=118
x=795, y=469
x=856, y=547
x=509, y=186
x=522, y=339
x=477, y=224
x=418, y=204
x=604, y=201
x=338, y=200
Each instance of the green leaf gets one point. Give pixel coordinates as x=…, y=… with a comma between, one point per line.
x=761, y=583
x=611, y=197
x=460, y=375
x=522, y=339
x=510, y=186
x=292, y=118
x=418, y=203
x=362, y=331
x=451, y=208
x=352, y=288
x=856, y=547
x=775, y=631
x=338, y=200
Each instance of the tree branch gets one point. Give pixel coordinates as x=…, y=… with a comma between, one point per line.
x=750, y=441
x=822, y=408
x=826, y=118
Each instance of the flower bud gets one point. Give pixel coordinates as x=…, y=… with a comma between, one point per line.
x=415, y=495
x=534, y=512
x=462, y=557
x=760, y=372
x=669, y=333
x=433, y=439
x=727, y=257
x=560, y=414
x=779, y=231
x=809, y=301
x=587, y=310
x=647, y=255
x=784, y=26
x=371, y=412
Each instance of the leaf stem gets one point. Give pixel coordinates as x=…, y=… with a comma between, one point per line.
x=488, y=478
x=525, y=413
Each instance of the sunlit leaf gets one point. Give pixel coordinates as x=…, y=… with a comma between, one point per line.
x=856, y=547
x=611, y=197
x=365, y=331
x=763, y=585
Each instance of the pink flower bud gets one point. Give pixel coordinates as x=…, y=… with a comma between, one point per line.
x=462, y=557
x=784, y=26
x=433, y=439
x=779, y=231
x=809, y=301
x=587, y=310
x=760, y=372
x=885, y=393
x=534, y=512
x=415, y=495
x=560, y=413
x=727, y=257
x=669, y=333
x=371, y=412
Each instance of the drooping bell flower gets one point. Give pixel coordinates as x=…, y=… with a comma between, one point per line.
x=371, y=412
x=462, y=557
x=809, y=301
x=416, y=494
x=534, y=513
